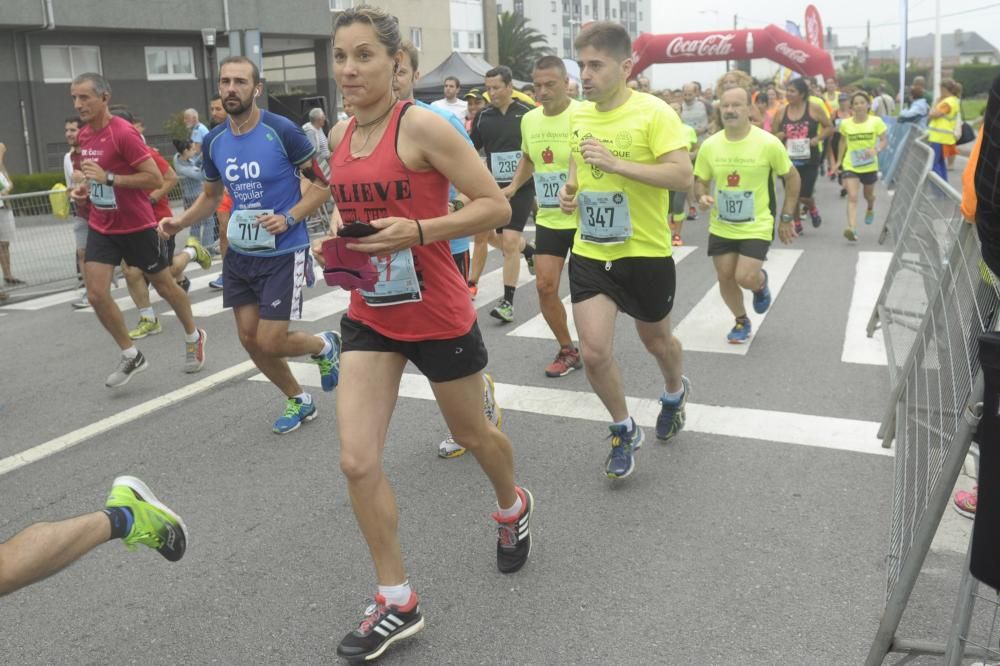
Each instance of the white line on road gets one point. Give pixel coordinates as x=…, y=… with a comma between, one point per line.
x=764, y=425
x=71, y=439
x=869, y=275
x=705, y=327
x=536, y=327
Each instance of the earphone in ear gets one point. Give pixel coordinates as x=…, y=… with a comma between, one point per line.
x=256, y=93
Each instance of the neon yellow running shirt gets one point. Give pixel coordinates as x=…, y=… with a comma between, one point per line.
x=619, y=217
x=861, y=137
x=744, y=173
x=545, y=140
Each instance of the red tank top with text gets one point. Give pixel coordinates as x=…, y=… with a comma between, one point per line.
x=379, y=185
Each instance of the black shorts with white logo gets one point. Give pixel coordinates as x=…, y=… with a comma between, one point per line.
x=754, y=248
x=141, y=249
x=521, y=205
x=438, y=360
x=641, y=287
x=553, y=242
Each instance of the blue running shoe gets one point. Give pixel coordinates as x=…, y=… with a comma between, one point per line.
x=624, y=444
x=740, y=333
x=296, y=412
x=329, y=364
x=216, y=283
x=671, y=418
x=762, y=297
x=869, y=216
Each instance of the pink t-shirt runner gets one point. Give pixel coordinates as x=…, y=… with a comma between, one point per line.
x=118, y=149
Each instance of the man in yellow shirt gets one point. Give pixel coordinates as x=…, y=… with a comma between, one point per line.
x=743, y=161
x=627, y=150
x=545, y=158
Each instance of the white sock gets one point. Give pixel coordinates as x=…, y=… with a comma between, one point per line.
x=327, y=347
x=627, y=423
x=130, y=353
x=192, y=337
x=189, y=251
x=513, y=511
x=396, y=595
x=304, y=398
x=148, y=313
x=673, y=397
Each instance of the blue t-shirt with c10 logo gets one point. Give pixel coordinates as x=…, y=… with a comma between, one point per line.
x=260, y=171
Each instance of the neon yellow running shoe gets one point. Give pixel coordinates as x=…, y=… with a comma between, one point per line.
x=154, y=524
x=145, y=327
x=201, y=255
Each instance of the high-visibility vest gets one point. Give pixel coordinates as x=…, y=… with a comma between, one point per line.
x=942, y=129
x=969, y=202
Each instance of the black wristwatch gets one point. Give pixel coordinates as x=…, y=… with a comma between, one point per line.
x=457, y=204
x=109, y=179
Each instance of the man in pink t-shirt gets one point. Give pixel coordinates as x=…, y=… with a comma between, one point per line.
x=119, y=170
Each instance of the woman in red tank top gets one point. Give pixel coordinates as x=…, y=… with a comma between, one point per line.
x=390, y=168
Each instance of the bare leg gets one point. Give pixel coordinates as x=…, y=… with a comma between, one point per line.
x=98, y=278
x=275, y=368
x=479, y=251
x=513, y=242
x=869, y=192
x=665, y=348
x=595, y=323
x=137, y=287
x=45, y=548
x=80, y=258
x=369, y=384
x=749, y=275
x=852, y=186
x=725, y=269
x=5, y=259
x=165, y=285
x=548, y=271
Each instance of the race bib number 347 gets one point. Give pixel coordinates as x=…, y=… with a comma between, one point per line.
x=604, y=217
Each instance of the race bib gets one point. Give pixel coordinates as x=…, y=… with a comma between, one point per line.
x=503, y=165
x=102, y=196
x=604, y=217
x=547, y=188
x=860, y=157
x=397, y=280
x=735, y=206
x=798, y=149
x=246, y=234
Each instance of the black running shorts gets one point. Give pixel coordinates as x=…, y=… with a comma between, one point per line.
x=754, y=248
x=808, y=173
x=141, y=249
x=869, y=178
x=553, y=242
x=521, y=205
x=641, y=287
x=438, y=360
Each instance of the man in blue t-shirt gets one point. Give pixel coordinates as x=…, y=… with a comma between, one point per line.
x=257, y=156
x=198, y=129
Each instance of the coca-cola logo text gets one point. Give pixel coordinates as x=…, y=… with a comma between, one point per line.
x=711, y=45
x=797, y=55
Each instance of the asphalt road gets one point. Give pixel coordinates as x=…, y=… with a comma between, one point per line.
x=734, y=548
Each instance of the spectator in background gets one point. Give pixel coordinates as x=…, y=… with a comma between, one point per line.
x=919, y=108
x=574, y=89
x=643, y=83
x=529, y=90
x=695, y=113
x=451, y=100
x=192, y=180
x=941, y=129
x=951, y=151
x=474, y=103
x=6, y=223
x=882, y=103
x=74, y=178
x=198, y=130
x=216, y=112
x=315, y=131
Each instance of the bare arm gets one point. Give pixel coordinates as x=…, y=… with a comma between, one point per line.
x=826, y=125
x=203, y=206
x=148, y=176
x=525, y=170
x=776, y=124
x=169, y=181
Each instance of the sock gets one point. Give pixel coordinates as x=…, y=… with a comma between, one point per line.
x=672, y=397
x=628, y=423
x=121, y=521
x=304, y=398
x=508, y=294
x=528, y=251
x=130, y=353
x=514, y=511
x=148, y=313
x=473, y=283
x=743, y=319
x=814, y=211
x=871, y=208
x=189, y=251
x=192, y=337
x=327, y=347
x=396, y=595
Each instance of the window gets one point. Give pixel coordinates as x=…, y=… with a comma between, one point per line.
x=340, y=5
x=417, y=37
x=554, y=29
x=553, y=5
x=614, y=13
x=455, y=39
x=476, y=41
x=166, y=63
x=61, y=64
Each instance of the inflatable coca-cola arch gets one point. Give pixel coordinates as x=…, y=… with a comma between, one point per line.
x=770, y=42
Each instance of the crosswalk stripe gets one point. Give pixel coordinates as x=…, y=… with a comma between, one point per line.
x=125, y=303
x=869, y=275
x=704, y=328
x=536, y=327
x=740, y=422
x=45, y=301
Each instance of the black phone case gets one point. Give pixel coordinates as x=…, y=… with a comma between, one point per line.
x=357, y=230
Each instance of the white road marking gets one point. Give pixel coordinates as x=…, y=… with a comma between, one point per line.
x=536, y=327
x=759, y=424
x=46, y=301
x=869, y=275
x=705, y=327
x=125, y=303
x=69, y=440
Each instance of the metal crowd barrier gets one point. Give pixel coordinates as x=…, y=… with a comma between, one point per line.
x=910, y=165
x=938, y=298
x=900, y=136
x=42, y=250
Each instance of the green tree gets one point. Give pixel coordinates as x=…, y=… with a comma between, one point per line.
x=519, y=45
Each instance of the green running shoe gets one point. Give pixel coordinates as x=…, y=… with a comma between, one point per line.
x=503, y=311
x=154, y=524
x=145, y=327
x=201, y=255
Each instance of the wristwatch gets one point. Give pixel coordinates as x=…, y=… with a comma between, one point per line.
x=457, y=204
x=289, y=220
x=786, y=218
x=109, y=179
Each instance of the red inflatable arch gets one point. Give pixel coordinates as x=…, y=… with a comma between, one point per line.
x=771, y=42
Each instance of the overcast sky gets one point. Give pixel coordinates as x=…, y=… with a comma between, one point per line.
x=846, y=17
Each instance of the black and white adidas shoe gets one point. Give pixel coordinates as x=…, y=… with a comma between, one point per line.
x=383, y=625
x=514, y=536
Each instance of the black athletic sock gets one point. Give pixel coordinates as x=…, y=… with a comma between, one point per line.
x=529, y=251
x=508, y=294
x=743, y=319
x=121, y=521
